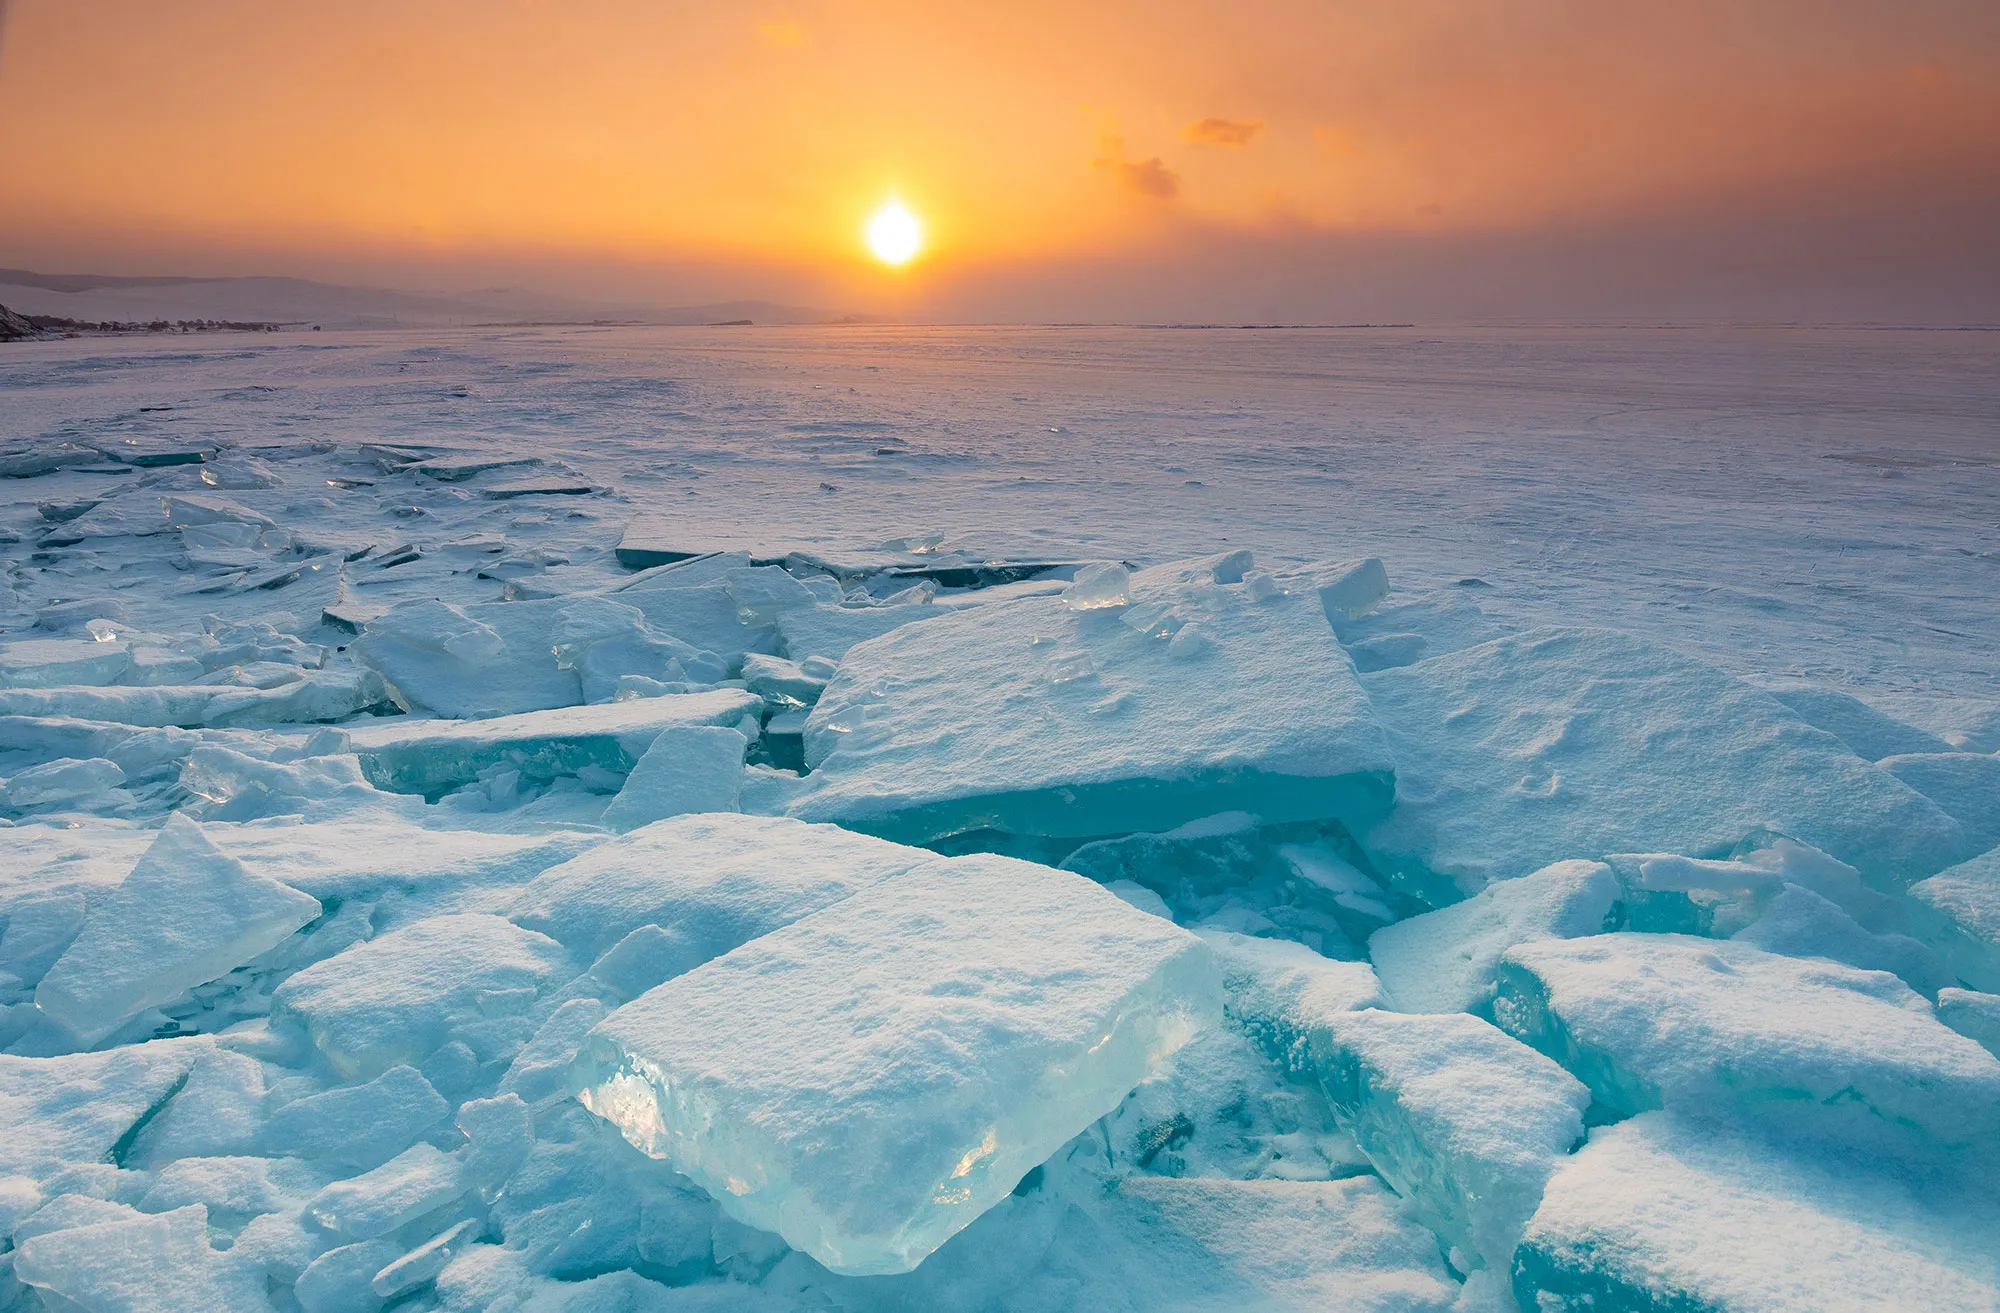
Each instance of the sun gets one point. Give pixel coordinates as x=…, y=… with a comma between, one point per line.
x=894, y=234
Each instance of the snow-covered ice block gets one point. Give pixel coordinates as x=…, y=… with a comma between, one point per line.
x=1659, y=1213
x=504, y=658
x=1443, y=961
x=764, y=593
x=1973, y=1015
x=359, y=858
x=1799, y=923
x=1871, y=732
x=1030, y=717
x=934, y=1038
x=1577, y=743
x=1957, y=912
x=829, y=631
x=64, y=780
x=398, y=997
x=1462, y=1120
x=1279, y=992
x=218, y=1111
x=710, y=616
x=1716, y=1028
x=415, y=1181
x=693, y=769
x=55, y=662
x=322, y=695
x=1106, y=583
x=500, y=1134
x=1178, y=1246
x=359, y=1126
x=421, y=1265
x=539, y=1070
x=236, y=1187
x=342, y=1279
x=188, y=509
x=1351, y=589
x=1965, y=784
x=59, y=1112
x=606, y=642
x=711, y=882
x=1773, y=863
x=471, y=662
x=776, y=678
x=187, y=914
x=158, y=1264
x=227, y=785
x=434, y=756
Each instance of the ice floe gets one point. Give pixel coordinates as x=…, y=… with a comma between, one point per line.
x=934, y=1038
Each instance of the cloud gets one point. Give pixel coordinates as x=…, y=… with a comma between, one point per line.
x=1146, y=177
x=1223, y=132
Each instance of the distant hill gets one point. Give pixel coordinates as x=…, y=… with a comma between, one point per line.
x=301, y=301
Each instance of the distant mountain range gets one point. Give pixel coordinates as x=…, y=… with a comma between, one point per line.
x=300, y=301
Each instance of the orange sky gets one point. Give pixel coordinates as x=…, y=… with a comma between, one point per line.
x=1031, y=136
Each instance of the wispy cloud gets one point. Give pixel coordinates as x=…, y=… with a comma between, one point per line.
x=1223, y=132
x=1149, y=177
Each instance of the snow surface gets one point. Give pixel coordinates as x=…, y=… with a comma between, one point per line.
x=1629, y=690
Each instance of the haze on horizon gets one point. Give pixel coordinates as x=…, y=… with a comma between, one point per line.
x=1182, y=159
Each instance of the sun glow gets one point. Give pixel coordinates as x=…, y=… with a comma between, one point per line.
x=894, y=234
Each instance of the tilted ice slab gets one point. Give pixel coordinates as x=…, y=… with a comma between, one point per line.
x=56, y=662
x=1800, y=923
x=187, y=914
x=433, y=756
x=1443, y=961
x=868, y=1080
x=1957, y=912
x=1660, y=1213
x=487, y=660
x=1718, y=1028
x=505, y=658
x=1870, y=731
x=62, y=1112
x=319, y=695
x=1565, y=743
x=1464, y=1121
x=696, y=768
x=1279, y=993
x=830, y=631
x=1032, y=717
x=1965, y=784
x=712, y=882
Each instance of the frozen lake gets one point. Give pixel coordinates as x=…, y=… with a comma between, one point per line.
x=1818, y=502
x=1149, y=820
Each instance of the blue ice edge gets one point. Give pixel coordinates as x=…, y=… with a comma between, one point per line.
x=1089, y=810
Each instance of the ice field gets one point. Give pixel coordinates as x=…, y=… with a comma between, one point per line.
x=615, y=819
